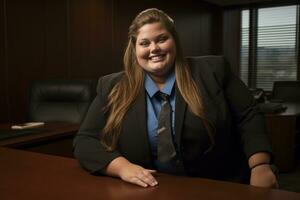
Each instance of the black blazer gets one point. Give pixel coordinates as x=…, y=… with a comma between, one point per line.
x=229, y=106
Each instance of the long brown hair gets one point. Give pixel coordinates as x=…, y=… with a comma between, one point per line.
x=125, y=92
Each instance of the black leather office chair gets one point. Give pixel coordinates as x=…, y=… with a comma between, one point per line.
x=60, y=100
x=287, y=91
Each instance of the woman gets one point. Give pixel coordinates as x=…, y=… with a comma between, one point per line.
x=214, y=127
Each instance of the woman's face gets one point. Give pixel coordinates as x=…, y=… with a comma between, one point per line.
x=155, y=50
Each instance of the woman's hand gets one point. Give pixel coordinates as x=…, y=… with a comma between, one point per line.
x=263, y=176
x=130, y=172
x=138, y=175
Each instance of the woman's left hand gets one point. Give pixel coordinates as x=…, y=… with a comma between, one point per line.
x=263, y=176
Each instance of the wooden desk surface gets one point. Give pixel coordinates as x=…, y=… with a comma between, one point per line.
x=49, y=131
x=26, y=175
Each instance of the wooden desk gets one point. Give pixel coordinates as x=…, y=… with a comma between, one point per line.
x=53, y=138
x=282, y=128
x=27, y=175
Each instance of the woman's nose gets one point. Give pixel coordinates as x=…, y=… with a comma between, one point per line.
x=154, y=47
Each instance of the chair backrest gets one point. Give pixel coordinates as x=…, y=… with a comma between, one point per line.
x=288, y=91
x=60, y=100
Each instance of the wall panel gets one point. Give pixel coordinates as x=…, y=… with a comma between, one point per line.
x=90, y=38
x=198, y=25
x=56, y=40
x=4, y=114
x=83, y=39
x=231, y=34
x=25, y=50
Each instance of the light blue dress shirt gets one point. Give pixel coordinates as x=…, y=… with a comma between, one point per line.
x=153, y=110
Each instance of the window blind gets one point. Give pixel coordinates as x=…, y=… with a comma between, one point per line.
x=275, y=46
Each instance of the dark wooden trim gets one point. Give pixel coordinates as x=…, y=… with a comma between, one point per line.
x=68, y=37
x=232, y=38
x=5, y=61
x=298, y=41
x=252, y=64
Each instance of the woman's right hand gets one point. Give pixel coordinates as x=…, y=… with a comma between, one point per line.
x=138, y=175
x=131, y=173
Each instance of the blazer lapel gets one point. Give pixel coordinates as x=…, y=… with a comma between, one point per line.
x=208, y=103
x=180, y=107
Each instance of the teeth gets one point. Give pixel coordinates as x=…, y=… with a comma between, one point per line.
x=155, y=58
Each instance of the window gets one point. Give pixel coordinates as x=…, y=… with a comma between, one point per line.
x=269, y=46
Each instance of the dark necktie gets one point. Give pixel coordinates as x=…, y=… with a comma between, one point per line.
x=165, y=147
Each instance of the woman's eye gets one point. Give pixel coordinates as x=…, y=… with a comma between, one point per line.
x=144, y=44
x=162, y=39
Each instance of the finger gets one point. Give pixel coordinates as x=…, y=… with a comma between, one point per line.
x=139, y=182
x=152, y=171
x=154, y=174
x=147, y=177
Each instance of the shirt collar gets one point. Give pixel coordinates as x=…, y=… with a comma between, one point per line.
x=152, y=88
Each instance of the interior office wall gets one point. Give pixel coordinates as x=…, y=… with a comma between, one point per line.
x=83, y=39
x=232, y=37
x=3, y=88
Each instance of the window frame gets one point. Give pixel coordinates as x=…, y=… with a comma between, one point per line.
x=253, y=36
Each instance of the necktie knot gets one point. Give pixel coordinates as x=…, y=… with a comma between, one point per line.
x=163, y=96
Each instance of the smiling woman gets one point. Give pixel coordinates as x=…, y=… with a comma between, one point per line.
x=168, y=115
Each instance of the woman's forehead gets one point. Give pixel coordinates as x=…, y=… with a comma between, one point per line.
x=151, y=30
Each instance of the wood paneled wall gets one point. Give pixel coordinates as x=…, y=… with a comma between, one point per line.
x=83, y=39
x=232, y=37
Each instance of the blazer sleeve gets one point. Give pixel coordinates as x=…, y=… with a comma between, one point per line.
x=249, y=122
x=87, y=148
